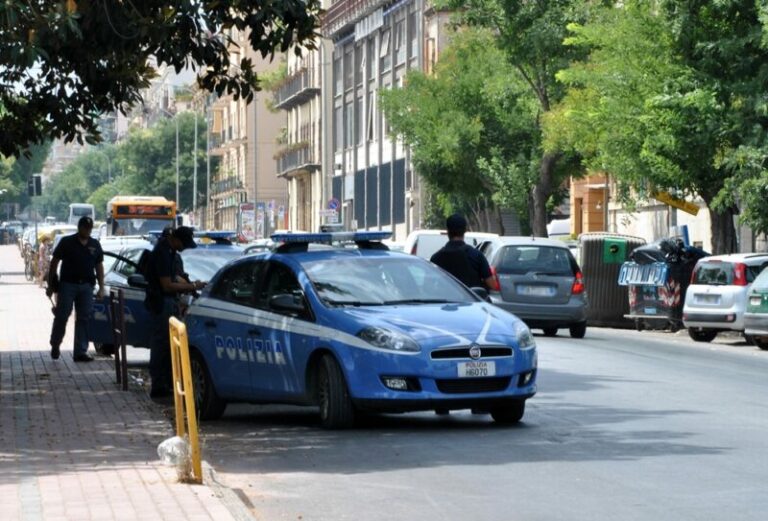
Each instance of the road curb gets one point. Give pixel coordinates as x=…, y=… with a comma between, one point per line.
x=229, y=498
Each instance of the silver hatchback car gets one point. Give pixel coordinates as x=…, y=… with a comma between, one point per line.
x=540, y=281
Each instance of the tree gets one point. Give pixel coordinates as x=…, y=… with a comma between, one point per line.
x=15, y=172
x=669, y=98
x=143, y=164
x=530, y=36
x=66, y=62
x=470, y=126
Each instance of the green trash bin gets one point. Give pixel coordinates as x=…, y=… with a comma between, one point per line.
x=602, y=255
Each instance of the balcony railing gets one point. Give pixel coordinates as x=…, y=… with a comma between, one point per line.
x=296, y=157
x=297, y=89
x=225, y=185
x=345, y=12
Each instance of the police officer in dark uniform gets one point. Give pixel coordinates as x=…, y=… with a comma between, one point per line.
x=164, y=288
x=462, y=260
x=81, y=259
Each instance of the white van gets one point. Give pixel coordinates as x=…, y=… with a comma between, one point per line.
x=425, y=243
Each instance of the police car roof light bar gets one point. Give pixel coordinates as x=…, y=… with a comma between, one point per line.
x=328, y=238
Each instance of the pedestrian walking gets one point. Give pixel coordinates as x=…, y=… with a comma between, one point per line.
x=165, y=286
x=81, y=259
x=460, y=259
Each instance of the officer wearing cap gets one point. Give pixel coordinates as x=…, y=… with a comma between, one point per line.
x=164, y=288
x=81, y=259
x=462, y=260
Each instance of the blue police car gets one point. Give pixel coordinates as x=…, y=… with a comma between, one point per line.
x=214, y=250
x=352, y=329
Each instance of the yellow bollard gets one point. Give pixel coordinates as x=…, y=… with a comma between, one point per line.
x=184, y=393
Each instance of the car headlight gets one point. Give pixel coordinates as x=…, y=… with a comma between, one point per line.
x=388, y=339
x=524, y=337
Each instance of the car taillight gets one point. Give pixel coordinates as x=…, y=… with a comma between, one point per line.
x=739, y=274
x=495, y=284
x=414, y=247
x=578, y=284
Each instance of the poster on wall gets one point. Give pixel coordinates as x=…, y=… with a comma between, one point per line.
x=260, y=211
x=248, y=221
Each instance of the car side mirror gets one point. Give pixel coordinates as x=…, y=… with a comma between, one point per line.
x=137, y=281
x=482, y=293
x=287, y=303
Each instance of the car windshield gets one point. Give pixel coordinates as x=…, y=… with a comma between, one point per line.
x=383, y=281
x=138, y=226
x=202, y=264
x=546, y=260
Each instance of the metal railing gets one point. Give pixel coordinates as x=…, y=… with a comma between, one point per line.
x=298, y=88
x=297, y=158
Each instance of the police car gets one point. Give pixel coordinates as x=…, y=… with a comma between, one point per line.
x=214, y=250
x=352, y=329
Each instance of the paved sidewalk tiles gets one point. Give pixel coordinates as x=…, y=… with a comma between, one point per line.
x=72, y=445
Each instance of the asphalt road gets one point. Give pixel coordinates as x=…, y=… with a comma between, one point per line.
x=625, y=426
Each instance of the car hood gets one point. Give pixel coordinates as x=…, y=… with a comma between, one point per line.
x=446, y=324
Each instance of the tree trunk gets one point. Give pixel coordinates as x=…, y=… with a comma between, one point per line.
x=723, y=231
x=541, y=192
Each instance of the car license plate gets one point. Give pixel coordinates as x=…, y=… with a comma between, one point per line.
x=535, y=291
x=708, y=299
x=476, y=369
x=755, y=301
x=650, y=311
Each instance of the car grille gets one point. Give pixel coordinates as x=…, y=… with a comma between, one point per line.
x=463, y=352
x=473, y=385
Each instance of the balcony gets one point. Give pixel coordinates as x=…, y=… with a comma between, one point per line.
x=223, y=187
x=296, y=157
x=344, y=13
x=297, y=89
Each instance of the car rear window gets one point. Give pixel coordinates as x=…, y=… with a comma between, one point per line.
x=521, y=259
x=722, y=273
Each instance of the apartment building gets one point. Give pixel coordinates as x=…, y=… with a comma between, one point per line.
x=299, y=159
x=374, y=44
x=244, y=136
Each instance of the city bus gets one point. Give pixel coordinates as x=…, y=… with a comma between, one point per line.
x=139, y=215
x=78, y=210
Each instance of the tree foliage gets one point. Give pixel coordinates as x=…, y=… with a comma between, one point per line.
x=530, y=36
x=470, y=125
x=15, y=172
x=65, y=62
x=671, y=97
x=143, y=164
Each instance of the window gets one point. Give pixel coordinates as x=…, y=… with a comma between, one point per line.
x=413, y=35
x=371, y=121
x=237, y=283
x=373, y=58
x=400, y=45
x=386, y=59
x=349, y=71
x=281, y=280
x=359, y=63
x=338, y=78
x=359, y=120
x=338, y=130
x=349, y=125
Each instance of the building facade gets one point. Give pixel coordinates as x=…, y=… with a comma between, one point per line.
x=244, y=136
x=375, y=43
x=299, y=158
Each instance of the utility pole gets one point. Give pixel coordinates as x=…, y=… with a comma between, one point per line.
x=194, y=171
x=207, y=167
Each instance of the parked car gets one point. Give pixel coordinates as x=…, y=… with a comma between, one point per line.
x=353, y=329
x=717, y=297
x=756, y=314
x=540, y=281
x=425, y=243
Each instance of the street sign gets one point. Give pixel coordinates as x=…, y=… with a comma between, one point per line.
x=682, y=204
x=333, y=204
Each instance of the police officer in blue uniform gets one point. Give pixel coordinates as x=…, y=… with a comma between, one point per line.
x=462, y=260
x=164, y=287
x=81, y=259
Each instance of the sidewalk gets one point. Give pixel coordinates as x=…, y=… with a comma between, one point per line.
x=72, y=445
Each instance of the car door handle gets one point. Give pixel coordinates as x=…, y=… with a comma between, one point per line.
x=254, y=332
x=210, y=323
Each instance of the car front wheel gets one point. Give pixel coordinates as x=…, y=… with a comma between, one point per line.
x=702, y=336
x=761, y=342
x=104, y=349
x=336, y=408
x=510, y=413
x=209, y=405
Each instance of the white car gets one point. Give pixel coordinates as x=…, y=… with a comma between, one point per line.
x=717, y=297
x=425, y=243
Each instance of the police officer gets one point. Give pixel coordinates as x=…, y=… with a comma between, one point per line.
x=164, y=288
x=462, y=260
x=81, y=259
